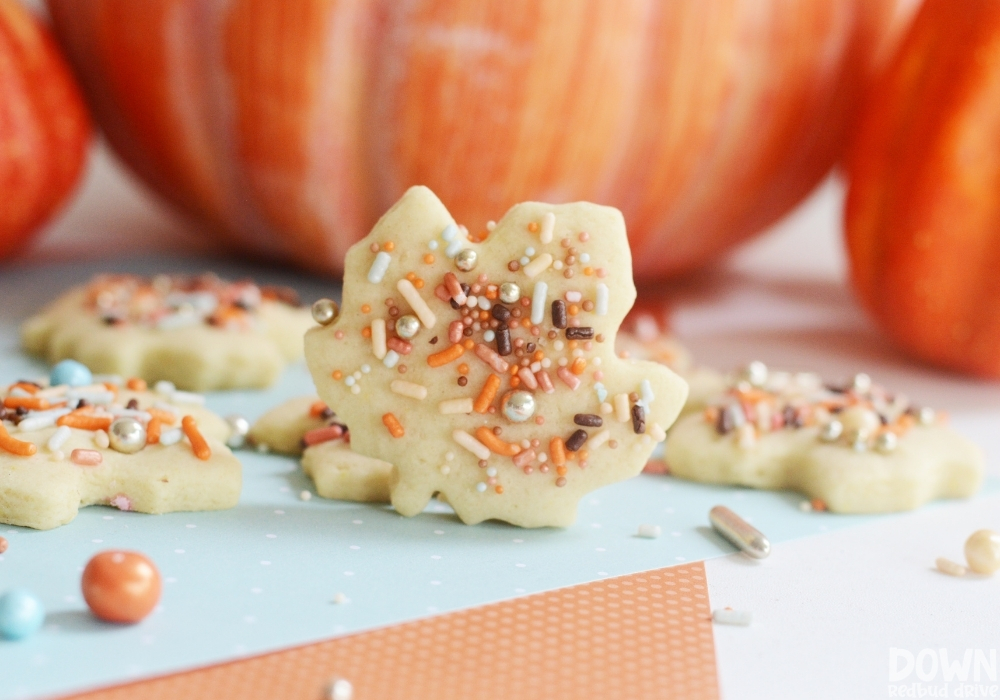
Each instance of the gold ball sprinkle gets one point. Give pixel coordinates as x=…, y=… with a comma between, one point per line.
x=325, y=311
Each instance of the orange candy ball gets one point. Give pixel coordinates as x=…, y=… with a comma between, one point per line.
x=121, y=586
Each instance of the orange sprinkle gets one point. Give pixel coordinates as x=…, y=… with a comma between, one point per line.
x=113, y=388
x=445, y=356
x=82, y=421
x=153, y=431
x=337, y=375
x=28, y=402
x=317, y=409
x=165, y=417
x=392, y=423
x=469, y=343
x=463, y=368
x=588, y=271
x=418, y=283
x=136, y=384
x=557, y=451
x=487, y=394
x=514, y=323
x=582, y=455
x=21, y=448
x=515, y=368
x=579, y=366
x=366, y=332
x=492, y=292
x=533, y=227
x=499, y=488
x=484, y=315
x=366, y=309
x=198, y=443
x=573, y=309
x=30, y=388
x=515, y=382
x=388, y=246
x=538, y=356
x=561, y=471
x=429, y=258
x=496, y=445
x=411, y=276
x=573, y=344
x=818, y=504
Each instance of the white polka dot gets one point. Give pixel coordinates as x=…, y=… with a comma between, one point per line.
x=519, y=541
x=284, y=489
x=265, y=563
x=520, y=566
x=97, y=541
x=109, y=517
x=190, y=527
x=70, y=598
x=439, y=532
x=435, y=556
x=357, y=522
x=602, y=573
x=170, y=579
x=595, y=525
x=519, y=590
x=600, y=549
x=668, y=510
x=435, y=583
x=354, y=546
x=594, y=502
x=256, y=590
x=348, y=573
x=681, y=558
x=279, y=512
x=270, y=537
x=250, y=619
x=178, y=551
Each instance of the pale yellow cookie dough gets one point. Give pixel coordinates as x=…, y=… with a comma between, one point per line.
x=341, y=473
x=843, y=453
x=44, y=492
x=282, y=428
x=576, y=254
x=195, y=357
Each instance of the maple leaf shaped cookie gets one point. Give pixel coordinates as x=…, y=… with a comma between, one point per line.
x=858, y=448
x=484, y=369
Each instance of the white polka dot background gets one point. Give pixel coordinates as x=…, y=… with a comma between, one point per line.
x=279, y=570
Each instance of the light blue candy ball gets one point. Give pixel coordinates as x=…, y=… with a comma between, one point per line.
x=71, y=372
x=21, y=614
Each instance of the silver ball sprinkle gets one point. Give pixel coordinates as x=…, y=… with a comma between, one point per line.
x=886, y=442
x=862, y=383
x=126, y=435
x=926, y=416
x=509, y=292
x=238, y=429
x=755, y=373
x=325, y=311
x=466, y=260
x=407, y=326
x=518, y=406
x=832, y=431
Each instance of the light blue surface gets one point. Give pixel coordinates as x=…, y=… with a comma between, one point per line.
x=264, y=575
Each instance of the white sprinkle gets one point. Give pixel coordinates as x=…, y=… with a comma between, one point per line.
x=58, y=456
x=490, y=225
x=163, y=406
x=529, y=251
x=445, y=469
x=101, y=397
x=471, y=444
x=525, y=260
x=573, y=297
x=585, y=257
x=471, y=301
x=622, y=412
x=390, y=359
x=378, y=338
x=115, y=379
x=170, y=437
x=657, y=432
x=416, y=303
x=492, y=471
x=404, y=388
x=339, y=599
x=489, y=336
x=453, y=248
x=599, y=439
x=732, y=617
x=60, y=436
x=356, y=389
x=481, y=486
x=805, y=506
x=380, y=265
x=101, y=439
x=557, y=265
x=947, y=566
x=188, y=397
x=42, y=419
x=601, y=306
x=646, y=390
x=650, y=532
x=164, y=387
x=450, y=233
x=305, y=495
x=432, y=244
x=558, y=345
x=349, y=380
x=341, y=689
x=365, y=369
x=538, y=265
x=463, y=405
x=19, y=392
x=538, y=302
x=485, y=304
x=548, y=226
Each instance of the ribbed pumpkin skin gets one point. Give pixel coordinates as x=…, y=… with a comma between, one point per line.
x=44, y=127
x=290, y=126
x=923, y=208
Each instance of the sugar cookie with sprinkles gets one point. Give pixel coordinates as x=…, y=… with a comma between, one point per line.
x=306, y=426
x=110, y=443
x=855, y=448
x=201, y=333
x=483, y=366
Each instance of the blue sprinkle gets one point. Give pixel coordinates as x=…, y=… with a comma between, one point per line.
x=72, y=373
x=602, y=393
x=21, y=614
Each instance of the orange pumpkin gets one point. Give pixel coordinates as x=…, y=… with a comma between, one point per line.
x=44, y=127
x=290, y=127
x=923, y=208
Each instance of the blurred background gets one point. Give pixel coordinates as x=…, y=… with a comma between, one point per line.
x=857, y=140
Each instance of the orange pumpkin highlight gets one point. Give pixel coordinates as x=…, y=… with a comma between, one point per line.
x=923, y=209
x=44, y=127
x=290, y=127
